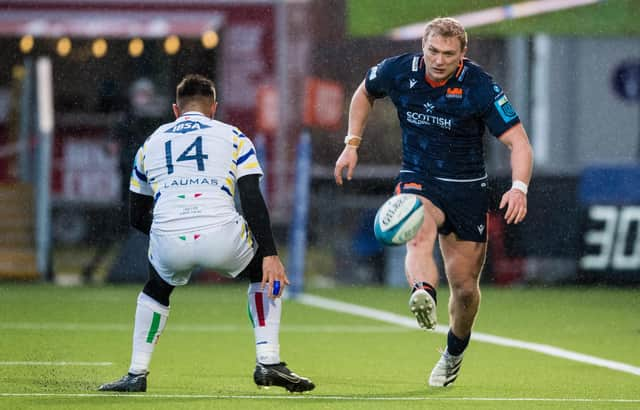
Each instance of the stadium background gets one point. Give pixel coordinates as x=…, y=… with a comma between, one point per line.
x=575, y=85
x=573, y=76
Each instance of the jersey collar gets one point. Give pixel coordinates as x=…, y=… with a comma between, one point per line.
x=193, y=113
x=436, y=84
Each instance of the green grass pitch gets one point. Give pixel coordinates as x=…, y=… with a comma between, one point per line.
x=605, y=18
x=205, y=357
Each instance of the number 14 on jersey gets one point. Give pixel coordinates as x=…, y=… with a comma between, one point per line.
x=192, y=153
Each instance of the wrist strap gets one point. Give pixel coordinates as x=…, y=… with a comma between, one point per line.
x=352, y=141
x=520, y=186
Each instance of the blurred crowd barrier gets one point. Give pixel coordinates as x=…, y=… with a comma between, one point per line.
x=579, y=229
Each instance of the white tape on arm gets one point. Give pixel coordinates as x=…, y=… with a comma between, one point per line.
x=352, y=141
x=520, y=186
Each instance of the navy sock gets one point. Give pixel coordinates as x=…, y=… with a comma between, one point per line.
x=426, y=286
x=456, y=346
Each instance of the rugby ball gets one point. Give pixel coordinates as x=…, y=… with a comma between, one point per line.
x=398, y=219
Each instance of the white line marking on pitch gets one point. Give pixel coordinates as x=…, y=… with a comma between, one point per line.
x=111, y=327
x=388, y=317
x=314, y=397
x=28, y=363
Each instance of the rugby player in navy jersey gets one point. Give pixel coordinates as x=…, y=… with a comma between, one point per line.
x=444, y=102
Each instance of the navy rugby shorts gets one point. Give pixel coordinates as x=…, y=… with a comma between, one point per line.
x=464, y=204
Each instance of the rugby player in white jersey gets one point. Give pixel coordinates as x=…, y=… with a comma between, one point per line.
x=182, y=188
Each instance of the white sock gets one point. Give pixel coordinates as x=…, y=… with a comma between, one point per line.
x=265, y=316
x=151, y=317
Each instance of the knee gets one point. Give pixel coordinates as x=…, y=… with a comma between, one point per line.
x=466, y=292
x=157, y=289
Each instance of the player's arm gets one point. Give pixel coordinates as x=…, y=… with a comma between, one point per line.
x=256, y=214
x=140, y=196
x=140, y=212
x=515, y=199
x=359, y=109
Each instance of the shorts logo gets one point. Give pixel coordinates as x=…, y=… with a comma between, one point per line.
x=412, y=82
x=412, y=185
x=454, y=92
x=480, y=229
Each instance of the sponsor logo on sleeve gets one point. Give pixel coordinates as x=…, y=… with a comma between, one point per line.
x=505, y=109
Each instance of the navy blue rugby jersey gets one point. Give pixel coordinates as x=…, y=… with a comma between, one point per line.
x=442, y=124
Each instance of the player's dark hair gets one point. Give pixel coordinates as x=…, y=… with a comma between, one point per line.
x=195, y=87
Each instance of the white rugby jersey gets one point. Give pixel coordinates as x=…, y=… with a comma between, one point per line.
x=190, y=167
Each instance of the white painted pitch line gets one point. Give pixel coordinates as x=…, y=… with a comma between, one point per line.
x=494, y=15
x=316, y=397
x=30, y=363
x=388, y=317
x=113, y=327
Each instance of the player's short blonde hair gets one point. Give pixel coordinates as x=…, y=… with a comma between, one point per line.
x=446, y=27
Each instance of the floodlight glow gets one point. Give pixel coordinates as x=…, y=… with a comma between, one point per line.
x=26, y=44
x=63, y=46
x=99, y=47
x=136, y=47
x=210, y=39
x=172, y=44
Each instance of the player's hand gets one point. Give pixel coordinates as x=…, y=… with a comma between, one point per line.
x=348, y=159
x=273, y=274
x=516, y=203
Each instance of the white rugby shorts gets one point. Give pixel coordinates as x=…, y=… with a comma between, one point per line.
x=226, y=250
